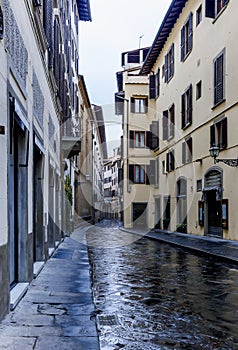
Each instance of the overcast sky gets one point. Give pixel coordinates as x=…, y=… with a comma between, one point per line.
x=116, y=27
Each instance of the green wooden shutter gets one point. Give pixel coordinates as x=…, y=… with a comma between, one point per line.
x=183, y=99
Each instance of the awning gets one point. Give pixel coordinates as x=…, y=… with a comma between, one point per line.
x=212, y=188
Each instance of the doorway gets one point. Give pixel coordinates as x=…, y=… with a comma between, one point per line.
x=213, y=202
x=139, y=214
x=38, y=229
x=18, y=196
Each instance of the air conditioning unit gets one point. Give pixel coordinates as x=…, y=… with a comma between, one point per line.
x=37, y=3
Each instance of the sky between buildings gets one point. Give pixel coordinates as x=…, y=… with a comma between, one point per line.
x=116, y=27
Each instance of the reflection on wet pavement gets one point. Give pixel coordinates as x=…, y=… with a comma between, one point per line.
x=150, y=295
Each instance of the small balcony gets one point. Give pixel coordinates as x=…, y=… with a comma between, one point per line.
x=71, y=137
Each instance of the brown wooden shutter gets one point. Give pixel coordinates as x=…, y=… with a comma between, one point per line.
x=152, y=86
x=172, y=61
x=172, y=160
x=158, y=83
x=183, y=99
x=190, y=107
x=165, y=125
x=154, y=128
x=149, y=139
x=152, y=172
x=210, y=9
x=190, y=32
x=132, y=139
x=184, y=146
x=166, y=69
x=182, y=44
x=167, y=162
x=224, y=133
x=132, y=105
x=131, y=173
x=212, y=135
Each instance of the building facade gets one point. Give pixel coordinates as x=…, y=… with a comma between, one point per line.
x=38, y=91
x=112, y=186
x=188, y=96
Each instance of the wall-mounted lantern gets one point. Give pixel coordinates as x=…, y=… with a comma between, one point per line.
x=214, y=153
x=1, y=24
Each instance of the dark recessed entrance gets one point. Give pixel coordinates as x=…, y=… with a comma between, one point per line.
x=139, y=214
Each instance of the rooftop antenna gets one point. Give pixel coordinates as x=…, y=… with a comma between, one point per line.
x=140, y=40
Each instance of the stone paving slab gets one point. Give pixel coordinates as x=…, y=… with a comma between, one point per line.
x=58, y=311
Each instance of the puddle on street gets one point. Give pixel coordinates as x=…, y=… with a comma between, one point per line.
x=156, y=296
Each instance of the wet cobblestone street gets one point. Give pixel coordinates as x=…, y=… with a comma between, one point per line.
x=150, y=295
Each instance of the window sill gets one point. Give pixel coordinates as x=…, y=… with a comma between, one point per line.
x=186, y=126
x=170, y=78
x=219, y=14
x=218, y=104
x=186, y=56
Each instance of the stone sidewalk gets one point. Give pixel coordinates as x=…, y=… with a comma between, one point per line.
x=58, y=311
x=219, y=248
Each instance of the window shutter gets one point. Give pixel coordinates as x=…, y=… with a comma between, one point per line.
x=149, y=139
x=167, y=162
x=131, y=141
x=172, y=60
x=154, y=131
x=120, y=175
x=165, y=125
x=158, y=83
x=190, y=107
x=132, y=105
x=152, y=86
x=172, y=160
x=183, y=110
x=210, y=9
x=166, y=69
x=190, y=149
x=131, y=172
x=172, y=121
x=218, y=79
x=184, y=152
x=152, y=173
x=190, y=35
x=146, y=105
x=224, y=133
x=212, y=135
x=182, y=44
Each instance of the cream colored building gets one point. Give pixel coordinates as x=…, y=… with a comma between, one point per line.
x=189, y=79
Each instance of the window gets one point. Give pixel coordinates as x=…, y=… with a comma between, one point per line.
x=187, y=37
x=169, y=64
x=199, y=15
x=168, y=123
x=187, y=107
x=139, y=105
x=218, y=134
x=158, y=83
x=199, y=90
x=214, y=7
x=199, y=185
x=219, y=74
x=170, y=164
x=140, y=139
x=139, y=174
x=187, y=151
x=143, y=174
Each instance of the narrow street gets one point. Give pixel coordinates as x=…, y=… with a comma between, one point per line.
x=150, y=295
